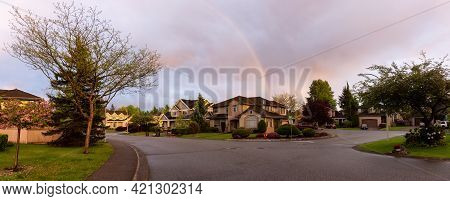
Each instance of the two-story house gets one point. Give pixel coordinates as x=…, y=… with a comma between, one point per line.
x=114, y=119
x=184, y=109
x=246, y=113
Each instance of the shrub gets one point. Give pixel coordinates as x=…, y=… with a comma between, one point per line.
x=241, y=133
x=121, y=129
x=321, y=134
x=211, y=130
x=347, y=124
x=181, y=131
x=286, y=129
x=194, y=127
x=308, y=132
x=272, y=135
x=262, y=126
x=260, y=135
x=3, y=142
x=133, y=128
x=432, y=136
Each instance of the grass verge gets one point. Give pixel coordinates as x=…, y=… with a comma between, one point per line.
x=47, y=163
x=385, y=146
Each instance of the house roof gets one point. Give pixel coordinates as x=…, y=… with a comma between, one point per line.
x=264, y=113
x=117, y=112
x=250, y=101
x=189, y=103
x=219, y=116
x=18, y=94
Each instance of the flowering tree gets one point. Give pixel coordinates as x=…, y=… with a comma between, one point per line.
x=21, y=115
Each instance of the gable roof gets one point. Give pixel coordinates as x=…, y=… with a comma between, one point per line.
x=18, y=94
x=258, y=101
x=189, y=103
x=264, y=113
x=118, y=112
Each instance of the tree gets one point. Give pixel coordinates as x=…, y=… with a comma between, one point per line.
x=288, y=100
x=144, y=121
x=70, y=124
x=77, y=41
x=200, y=110
x=422, y=88
x=155, y=111
x=130, y=109
x=349, y=105
x=262, y=126
x=15, y=113
x=165, y=109
x=320, y=90
x=317, y=111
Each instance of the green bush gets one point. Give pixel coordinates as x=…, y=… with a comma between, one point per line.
x=3, y=142
x=286, y=129
x=210, y=130
x=309, y=132
x=181, y=131
x=194, y=127
x=432, y=136
x=241, y=133
x=262, y=127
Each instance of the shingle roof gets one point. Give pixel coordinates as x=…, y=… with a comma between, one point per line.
x=18, y=94
x=258, y=101
x=264, y=113
x=189, y=103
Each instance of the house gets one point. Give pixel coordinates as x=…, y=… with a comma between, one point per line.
x=27, y=136
x=184, y=109
x=114, y=119
x=373, y=118
x=247, y=112
x=338, y=117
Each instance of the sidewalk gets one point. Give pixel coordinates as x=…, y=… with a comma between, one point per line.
x=122, y=165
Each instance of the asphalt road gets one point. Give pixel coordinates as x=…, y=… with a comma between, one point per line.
x=329, y=159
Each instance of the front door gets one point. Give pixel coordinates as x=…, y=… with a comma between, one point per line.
x=222, y=126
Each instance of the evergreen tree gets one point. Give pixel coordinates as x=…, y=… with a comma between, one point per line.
x=69, y=122
x=165, y=109
x=155, y=111
x=349, y=105
x=200, y=110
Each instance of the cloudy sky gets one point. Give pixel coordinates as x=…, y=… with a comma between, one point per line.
x=254, y=36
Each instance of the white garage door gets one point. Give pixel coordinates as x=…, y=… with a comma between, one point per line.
x=251, y=122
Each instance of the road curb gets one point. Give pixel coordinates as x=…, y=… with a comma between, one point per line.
x=142, y=172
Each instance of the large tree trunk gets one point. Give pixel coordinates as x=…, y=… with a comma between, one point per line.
x=16, y=160
x=89, y=128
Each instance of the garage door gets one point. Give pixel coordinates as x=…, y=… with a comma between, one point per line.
x=371, y=123
x=251, y=122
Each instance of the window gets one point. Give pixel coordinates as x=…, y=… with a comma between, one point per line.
x=251, y=111
x=234, y=108
x=215, y=110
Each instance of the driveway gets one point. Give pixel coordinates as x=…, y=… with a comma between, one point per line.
x=329, y=159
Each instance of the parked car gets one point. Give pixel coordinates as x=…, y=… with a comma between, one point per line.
x=443, y=124
x=364, y=127
x=304, y=125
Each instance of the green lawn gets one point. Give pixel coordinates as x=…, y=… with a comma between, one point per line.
x=47, y=163
x=386, y=146
x=208, y=136
x=348, y=128
x=140, y=134
x=399, y=128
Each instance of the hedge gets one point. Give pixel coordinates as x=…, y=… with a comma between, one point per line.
x=3, y=142
x=286, y=130
x=241, y=133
